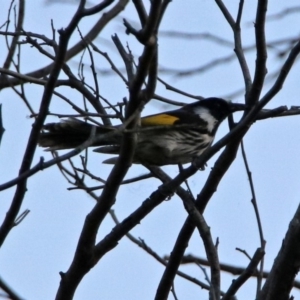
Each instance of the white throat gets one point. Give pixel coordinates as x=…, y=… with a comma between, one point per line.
x=207, y=117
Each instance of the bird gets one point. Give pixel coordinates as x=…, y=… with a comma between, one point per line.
x=167, y=138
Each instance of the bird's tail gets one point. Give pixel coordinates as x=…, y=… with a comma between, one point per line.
x=71, y=133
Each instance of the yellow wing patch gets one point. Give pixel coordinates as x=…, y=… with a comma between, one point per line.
x=159, y=120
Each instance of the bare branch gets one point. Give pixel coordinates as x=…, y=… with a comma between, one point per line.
x=257, y=215
x=15, y=39
x=37, y=126
x=261, y=54
x=91, y=35
x=41, y=165
x=10, y=292
x=249, y=271
x=142, y=244
x=234, y=270
x=286, y=265
x=210, y=249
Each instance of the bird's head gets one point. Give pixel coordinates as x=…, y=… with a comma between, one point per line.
x=217, y=107
x=213, y=110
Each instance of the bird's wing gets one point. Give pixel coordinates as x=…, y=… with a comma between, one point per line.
x=159, y=120
x=174, y=117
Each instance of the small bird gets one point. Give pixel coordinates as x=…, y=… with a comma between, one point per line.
x=167, y=138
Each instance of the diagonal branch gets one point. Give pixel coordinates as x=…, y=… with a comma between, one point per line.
x=286, y=266
x=37, y=126
x=248, y=272
x=210, y=248
x=219, y=170
x=86, y=255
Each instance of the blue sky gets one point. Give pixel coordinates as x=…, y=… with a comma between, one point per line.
x=44, y=243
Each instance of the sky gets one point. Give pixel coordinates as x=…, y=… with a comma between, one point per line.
x=44, y=243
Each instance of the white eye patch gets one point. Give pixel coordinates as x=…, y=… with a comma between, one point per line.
x=204, y=114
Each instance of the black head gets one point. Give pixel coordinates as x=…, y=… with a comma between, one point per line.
x=219, y=108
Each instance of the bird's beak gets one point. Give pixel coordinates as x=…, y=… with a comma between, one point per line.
x=237, y=106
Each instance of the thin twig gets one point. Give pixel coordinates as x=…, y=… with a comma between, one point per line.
x=249, y=271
